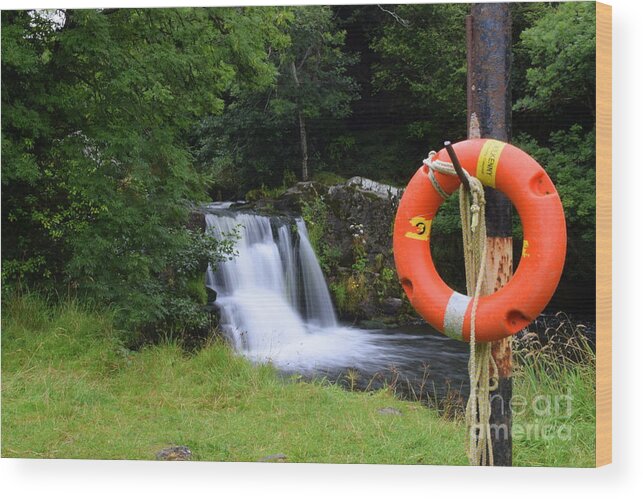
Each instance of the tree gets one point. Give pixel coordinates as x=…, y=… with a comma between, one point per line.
x=318, y=66
x=252, y=142
x=423, y=62
x=559, y=92
x=97, y=175
x=561, y=48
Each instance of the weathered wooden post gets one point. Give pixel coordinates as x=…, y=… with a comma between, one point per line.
x=489, y=116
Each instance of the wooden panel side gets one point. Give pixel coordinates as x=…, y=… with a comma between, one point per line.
x=603, y=234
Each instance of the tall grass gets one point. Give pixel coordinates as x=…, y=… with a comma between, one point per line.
x=556, y=378
x=71, y=390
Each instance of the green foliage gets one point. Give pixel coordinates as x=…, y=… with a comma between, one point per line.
x=97, y=176
x=411, y=75
x=555, y=110
x=271, y=193
x=115, y=121
x=561, y=46
x=570, y=162
x=328, y=178
x=447, y=222
x=196, y=290
x=423, y=61
x=339, y=291
x=350, y=291
x=387, y=283
x=323, y=86
x=360, y=264
x=360, y=257
x=256, y=140
x=315, y=215
x=264, y=192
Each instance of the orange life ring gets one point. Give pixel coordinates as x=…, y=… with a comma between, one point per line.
x=523, y=298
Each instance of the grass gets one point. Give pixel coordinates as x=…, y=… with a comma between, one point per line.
x=70, y=390
x=561, y=395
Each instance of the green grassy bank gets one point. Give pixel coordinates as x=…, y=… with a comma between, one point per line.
x=70, y=390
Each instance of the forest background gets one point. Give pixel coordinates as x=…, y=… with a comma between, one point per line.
x=117, y=122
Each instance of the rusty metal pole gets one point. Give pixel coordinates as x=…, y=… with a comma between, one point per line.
x=489, y=116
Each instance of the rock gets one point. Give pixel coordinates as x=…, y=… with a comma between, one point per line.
x=362, y=211
x=274, y=458
x=212, y=294
x=301, y=192
x=389, y=411
x=391, y=306
x=176, y=453
x=359, y=228
x=196, y=221
x=373, y=324
x=211, y=308
x=385, y=191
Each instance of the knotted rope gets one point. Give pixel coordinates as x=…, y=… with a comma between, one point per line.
x=483, y=373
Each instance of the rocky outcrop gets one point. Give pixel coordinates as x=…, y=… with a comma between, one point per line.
x=392, y=306
x=367, y=185
x=356, y=244
x=295, y=197
x=361, y=213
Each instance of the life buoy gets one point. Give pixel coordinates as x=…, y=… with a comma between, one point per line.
x=510, y=309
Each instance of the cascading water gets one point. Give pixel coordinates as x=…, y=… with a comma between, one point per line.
x=274, y=301
x=275, y=307
x=319, y=307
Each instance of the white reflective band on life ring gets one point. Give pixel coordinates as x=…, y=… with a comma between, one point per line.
x=454, y=315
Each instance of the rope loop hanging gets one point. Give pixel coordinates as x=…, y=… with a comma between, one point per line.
x=483, y=373
x=475, y=186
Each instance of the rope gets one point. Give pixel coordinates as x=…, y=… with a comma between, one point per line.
x=483, y=373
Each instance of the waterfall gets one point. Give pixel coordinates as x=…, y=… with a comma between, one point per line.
x=274, y=302
x=319, y=307
x=275, y=307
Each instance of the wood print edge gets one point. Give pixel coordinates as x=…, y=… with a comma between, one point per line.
x=603, y=234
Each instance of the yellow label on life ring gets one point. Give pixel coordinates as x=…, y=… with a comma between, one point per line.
x=525, y=246
x=422, y=228
x=488, y=162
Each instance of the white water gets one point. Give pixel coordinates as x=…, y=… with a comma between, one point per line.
x=274, y=301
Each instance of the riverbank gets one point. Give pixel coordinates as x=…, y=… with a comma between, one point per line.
x=71, y=390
